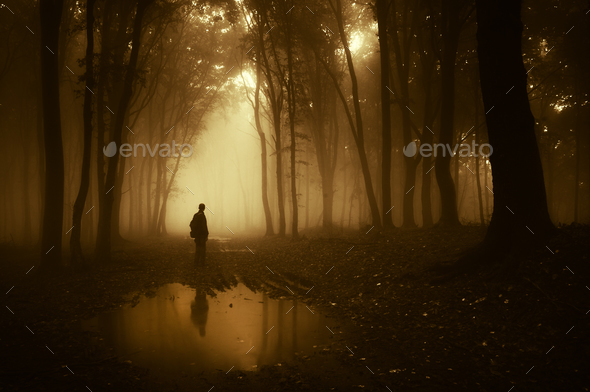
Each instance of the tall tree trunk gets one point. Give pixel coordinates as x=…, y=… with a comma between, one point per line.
x=402, y=45
x=427, y=182
x=162, y=231
x=161, y=193
x=485, y=183
x=100, y=100
x=343, y=210
x=89, y=227
x=428, y=66
x=329, y=186
x=307, y=189
x=477, y=158
x=162, y=216
x=40, y=163
x=103, y=245
x=27, y=230
x=294, y=201
x=292, y=105
x=51, y=249
x=357, y=131
x=520, y=202
x=118, y=196
x=410, y=175
x=451, y=32
x=263, y=154
x=150, y=172
x=76, y=255
x=131, y=209
x=325, y=143
x=279, y=171
x=479, y=195
x=382, y=13
x=456, y=180
x=427, y=163
x=276, y=103
x=140, y=199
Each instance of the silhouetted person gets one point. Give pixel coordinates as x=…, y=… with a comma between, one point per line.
x=200, y=233
x=199, y=310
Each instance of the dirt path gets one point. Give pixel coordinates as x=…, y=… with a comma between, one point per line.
x=392, y=329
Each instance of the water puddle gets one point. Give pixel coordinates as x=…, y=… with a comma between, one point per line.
x=183, y=329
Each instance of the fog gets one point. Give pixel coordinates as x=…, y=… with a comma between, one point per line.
x=216, y=79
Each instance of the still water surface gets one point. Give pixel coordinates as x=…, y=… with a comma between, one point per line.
x=183, y=329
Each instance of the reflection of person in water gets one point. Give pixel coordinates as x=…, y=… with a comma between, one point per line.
x=199, y=310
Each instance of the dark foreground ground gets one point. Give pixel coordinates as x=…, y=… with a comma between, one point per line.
x=522, y=328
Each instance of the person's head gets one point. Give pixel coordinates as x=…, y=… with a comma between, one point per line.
x=201, y=207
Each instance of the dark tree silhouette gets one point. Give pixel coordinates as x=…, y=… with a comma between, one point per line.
x=263, y=154
x=75, y=248
x=357, y=129
x=256, y=106
x=50, y=11
x=520, y=201
x=291, y=106
x=403, y=33
x=451, y=27
x=382, y=12
x=432, y=102
x=275, y=96
x=324, y=131
x=103, y=241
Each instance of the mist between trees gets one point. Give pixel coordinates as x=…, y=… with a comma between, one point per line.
x=297, y=113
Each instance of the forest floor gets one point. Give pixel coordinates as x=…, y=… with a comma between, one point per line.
x=527, y=329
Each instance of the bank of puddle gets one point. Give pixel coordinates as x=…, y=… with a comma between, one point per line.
x=184, y=329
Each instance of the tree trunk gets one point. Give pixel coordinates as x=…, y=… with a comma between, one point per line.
x=382, y=12
x=280, y=188
x=325, y=143
x=358, y=132
x=427, y=137
x=76, y=255
x=428, y=65
x=276, y=103
x=477, y=158
x=103, y=245
x=263, y=154
x=307, y=190
x=89, y=227
x=51, y=249
x=485, y=183
x=40, y=163
x=479, y=196
x=100, y=101
x=410, y=175
x=451, y=32
x=118, y=196
x=292, y=106
x=426, y=191
x=343, y=210
x=27, y=238
x=140, y=199
x=160, y=194
x=131, y=208
x=520, y=202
